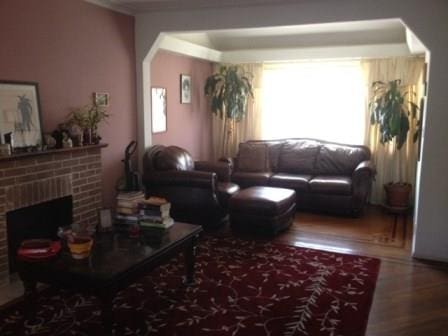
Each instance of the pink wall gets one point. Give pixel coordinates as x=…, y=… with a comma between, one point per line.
x=189, y=125
x=72, y=49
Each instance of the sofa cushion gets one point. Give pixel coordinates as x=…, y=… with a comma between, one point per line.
x=251, y=179
x=252, y=157
x=296, y=182
x=339, y=160
x=336, y=185
x=298, y=156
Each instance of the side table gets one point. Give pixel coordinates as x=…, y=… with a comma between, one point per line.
x=398, y=212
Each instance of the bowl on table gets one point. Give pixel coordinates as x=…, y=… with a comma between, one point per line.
x=80, y=246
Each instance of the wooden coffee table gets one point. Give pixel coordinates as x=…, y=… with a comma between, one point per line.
x=116, y=262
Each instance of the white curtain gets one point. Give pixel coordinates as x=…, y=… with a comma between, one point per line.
x=247, y=129
x=385, y=157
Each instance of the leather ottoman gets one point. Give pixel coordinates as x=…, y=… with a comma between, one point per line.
x=264, y=210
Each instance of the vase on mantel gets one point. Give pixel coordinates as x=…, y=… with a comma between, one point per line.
x=87, y=136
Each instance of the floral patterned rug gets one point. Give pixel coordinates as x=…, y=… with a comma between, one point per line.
x=242, y=288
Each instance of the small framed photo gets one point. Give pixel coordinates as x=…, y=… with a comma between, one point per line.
x=20, y=119
x=158, y=110
x=185, y=89
x=101, y=98
x=105, y=220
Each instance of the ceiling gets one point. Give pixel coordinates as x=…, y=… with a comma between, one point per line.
x=303, y=36
x=362, y=39
x=136, y=6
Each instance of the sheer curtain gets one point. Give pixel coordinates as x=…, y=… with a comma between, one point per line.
x=323, y=100
x=247, y=129
x=410, y=71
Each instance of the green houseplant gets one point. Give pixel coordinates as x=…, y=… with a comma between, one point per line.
x=88, y=117
x=229, y=89
x=392, y=109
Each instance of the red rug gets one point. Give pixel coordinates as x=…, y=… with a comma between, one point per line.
x=242, y=288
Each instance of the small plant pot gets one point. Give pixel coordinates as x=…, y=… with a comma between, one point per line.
x=397, y=194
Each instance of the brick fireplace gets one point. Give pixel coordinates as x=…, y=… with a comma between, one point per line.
x=32, y=178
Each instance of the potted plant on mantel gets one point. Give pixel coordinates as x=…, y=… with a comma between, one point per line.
x=393, y=110
x=229, y=89
x=87, y=118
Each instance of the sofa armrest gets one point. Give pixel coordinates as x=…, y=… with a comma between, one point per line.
x=362, y=178
x=223, y=169
x=189, y=178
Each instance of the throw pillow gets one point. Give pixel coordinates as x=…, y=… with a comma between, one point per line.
x=252, y=157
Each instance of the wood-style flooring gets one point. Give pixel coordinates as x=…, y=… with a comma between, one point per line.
x=411, y=297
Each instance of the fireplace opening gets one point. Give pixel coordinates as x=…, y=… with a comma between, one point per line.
x=37, y=221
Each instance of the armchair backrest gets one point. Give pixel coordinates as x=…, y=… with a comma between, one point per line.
x=163, y=158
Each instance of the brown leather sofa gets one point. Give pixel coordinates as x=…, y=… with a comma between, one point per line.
x=327, y=177
x=198, y=191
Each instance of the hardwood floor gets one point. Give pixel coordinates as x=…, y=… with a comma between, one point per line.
x=411, y=297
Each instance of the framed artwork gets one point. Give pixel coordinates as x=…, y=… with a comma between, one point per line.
x=185, y=89
x=101, y=98
x=158, y=110
x=20, y=113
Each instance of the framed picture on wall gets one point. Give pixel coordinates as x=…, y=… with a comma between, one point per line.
x=158, y=110
x=185, y=89
x=20, y=118
x=101, y=98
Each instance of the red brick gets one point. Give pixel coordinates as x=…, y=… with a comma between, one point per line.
x=26, y=162
x=26, y=178
x=62, y=156
x=7, y=164
x=63, y=171
x=45, y=158
x=45, y=175
x=79, y=182
x=94, y=151
x=14, y=172
x=90, y=159
x=80, y=153
x=70, y=163
x=7, y=181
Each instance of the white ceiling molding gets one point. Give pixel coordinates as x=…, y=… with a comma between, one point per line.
x=334, y=52
x=414, y=43
x=189, y=49
x=112, y=6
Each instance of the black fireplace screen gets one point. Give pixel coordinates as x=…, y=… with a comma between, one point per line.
x=37, y=221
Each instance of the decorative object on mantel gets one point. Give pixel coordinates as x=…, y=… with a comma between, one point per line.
x=20, y=113
x=393, y=110
x=87, y=118
x=185, y=89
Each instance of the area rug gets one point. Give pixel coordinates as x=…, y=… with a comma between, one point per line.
x=242, y=288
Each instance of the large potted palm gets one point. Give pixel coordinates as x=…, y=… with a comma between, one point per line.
x=229, y=89
x=392, y=109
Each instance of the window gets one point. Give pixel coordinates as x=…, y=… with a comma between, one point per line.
x=322, y=100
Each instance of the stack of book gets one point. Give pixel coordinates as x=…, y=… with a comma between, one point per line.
x=155, y=213
x=127, y=212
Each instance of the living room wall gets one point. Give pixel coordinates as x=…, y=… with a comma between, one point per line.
x=72, y=49
x=188, y=125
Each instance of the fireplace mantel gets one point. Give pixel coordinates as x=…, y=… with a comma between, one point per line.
x=17, y=156
x=31, y=178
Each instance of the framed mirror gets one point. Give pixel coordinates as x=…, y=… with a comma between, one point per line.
x=158, y=110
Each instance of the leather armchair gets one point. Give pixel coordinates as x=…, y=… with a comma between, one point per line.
x=198, y=191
